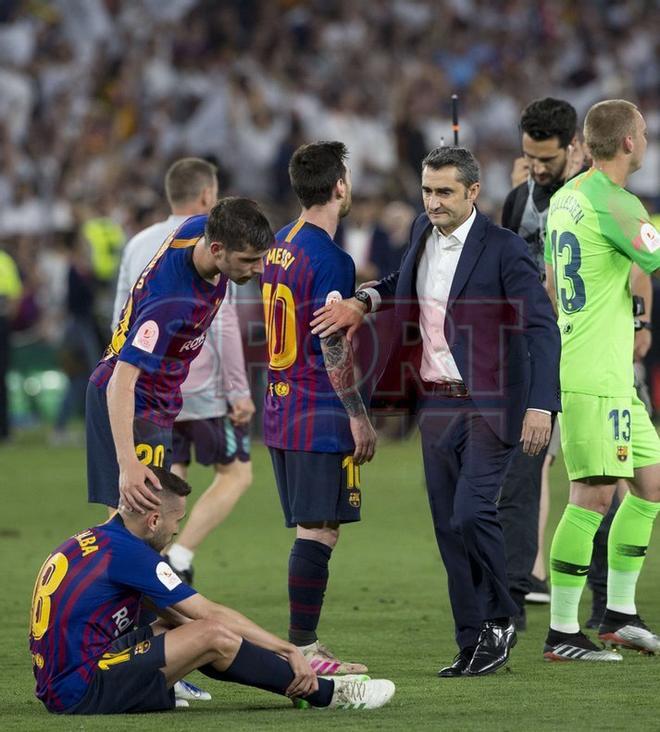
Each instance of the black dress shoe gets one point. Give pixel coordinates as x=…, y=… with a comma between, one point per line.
x=459, y=666
x=492, y=652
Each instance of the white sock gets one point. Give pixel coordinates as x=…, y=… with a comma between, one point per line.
x=563, y=608
x=180, y=557
x=620, y=590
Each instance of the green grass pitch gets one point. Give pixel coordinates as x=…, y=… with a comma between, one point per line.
x=386, y=605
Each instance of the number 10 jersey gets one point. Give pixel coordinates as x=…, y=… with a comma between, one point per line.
x=303, y=271
x=595, y=231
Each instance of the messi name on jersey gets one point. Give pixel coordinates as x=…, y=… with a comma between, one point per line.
x=302, y=270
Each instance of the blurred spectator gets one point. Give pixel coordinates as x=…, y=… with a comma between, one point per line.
x=362, y=236
x=80, y=347
x=396, y=220
x=10, y=292
x=98, y=96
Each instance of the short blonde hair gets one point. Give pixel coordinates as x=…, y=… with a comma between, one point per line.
x=605, y=126
x=186, y=179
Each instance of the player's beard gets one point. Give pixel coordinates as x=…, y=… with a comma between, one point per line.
x=159, y=541
x=345, y=206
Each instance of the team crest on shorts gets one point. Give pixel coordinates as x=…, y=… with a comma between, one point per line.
x=622, y=453
x=354, y=499
x=142, y=647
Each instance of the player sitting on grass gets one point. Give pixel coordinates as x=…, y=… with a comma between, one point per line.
x=88, y=659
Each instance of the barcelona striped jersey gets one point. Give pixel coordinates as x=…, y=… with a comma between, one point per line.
x=163, y=325
x=303, y=271
x=86, y=595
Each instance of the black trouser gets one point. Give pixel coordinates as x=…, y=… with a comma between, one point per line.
x=464, y=464
x=518, y=512
x=597, y=577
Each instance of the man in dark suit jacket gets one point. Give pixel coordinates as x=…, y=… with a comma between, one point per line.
x=486, y=376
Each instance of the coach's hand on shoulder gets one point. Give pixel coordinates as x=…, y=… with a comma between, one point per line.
x=304, y=679
x=536, y=429
x=338, y=315
x=365, y=437
x=133, y=491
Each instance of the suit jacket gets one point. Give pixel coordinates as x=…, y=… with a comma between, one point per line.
x=499, y=325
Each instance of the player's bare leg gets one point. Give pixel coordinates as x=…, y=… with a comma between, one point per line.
x=230, y=482
x=195, y=644
x=627, y=545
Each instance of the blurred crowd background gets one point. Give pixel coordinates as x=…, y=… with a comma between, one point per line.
x=98, y=97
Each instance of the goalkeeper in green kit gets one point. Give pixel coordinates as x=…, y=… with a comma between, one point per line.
x=595, y=231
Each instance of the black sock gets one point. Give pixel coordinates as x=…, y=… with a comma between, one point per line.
x=308, y=578
x=255, y=666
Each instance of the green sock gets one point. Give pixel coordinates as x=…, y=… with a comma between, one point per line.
x=626, y=548
x=570, y=557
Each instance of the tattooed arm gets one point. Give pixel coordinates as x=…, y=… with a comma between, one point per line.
x=338, y=358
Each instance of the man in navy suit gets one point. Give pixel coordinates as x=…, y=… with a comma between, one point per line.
x=485, y=375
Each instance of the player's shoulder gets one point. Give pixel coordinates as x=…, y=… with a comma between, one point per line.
x=286, y=233
x=189, y=231
x=126, y=547
x=316, y=242
x=146, y=241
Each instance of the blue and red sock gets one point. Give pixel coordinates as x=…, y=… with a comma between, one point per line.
x=255, y=666
x=308, y=578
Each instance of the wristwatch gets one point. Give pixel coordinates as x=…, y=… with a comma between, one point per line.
x=639, y=324
x=365, y=297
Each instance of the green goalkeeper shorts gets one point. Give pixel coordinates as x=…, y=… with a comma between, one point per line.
x=609, y=436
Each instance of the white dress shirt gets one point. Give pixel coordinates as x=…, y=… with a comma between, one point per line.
x=435, y=274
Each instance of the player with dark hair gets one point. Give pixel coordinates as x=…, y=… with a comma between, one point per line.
x=217, y=406
x=134, y=395
x=87, y=659
x=551, y=154
x=596, y=230
x=315, y=422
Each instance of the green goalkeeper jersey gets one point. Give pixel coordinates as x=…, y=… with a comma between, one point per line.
x=595, y=231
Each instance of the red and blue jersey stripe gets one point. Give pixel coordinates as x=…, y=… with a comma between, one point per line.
x=87, y=594
x=302, y=271
x=163, y=325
